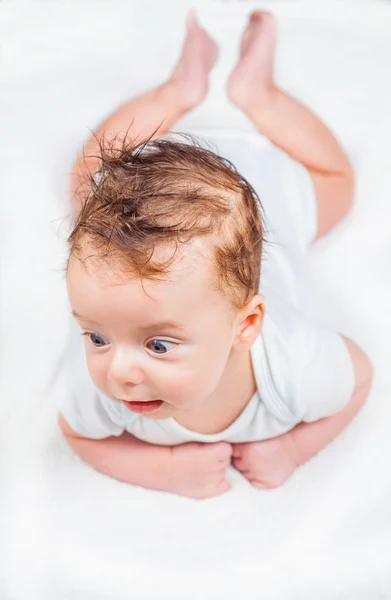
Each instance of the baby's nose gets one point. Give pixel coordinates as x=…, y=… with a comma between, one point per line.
x=125, y=369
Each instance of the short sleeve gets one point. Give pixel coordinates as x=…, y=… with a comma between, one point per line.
x=304, y=372
x=87, y=411
x=327, y=380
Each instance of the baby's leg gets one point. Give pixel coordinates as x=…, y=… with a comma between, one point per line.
x=289, y=124
x=158, y=109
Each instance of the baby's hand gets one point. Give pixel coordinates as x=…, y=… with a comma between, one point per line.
x=198, y=470
x=266, y=464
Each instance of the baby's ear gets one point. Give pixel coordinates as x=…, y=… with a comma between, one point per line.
x=250, y=325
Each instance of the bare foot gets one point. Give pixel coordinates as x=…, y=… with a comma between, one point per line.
x=191, y=74
x=251, y=82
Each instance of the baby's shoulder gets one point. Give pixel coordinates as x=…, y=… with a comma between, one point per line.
x=302, y=367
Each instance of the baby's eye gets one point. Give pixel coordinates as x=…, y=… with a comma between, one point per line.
x=158, y=345
x=98, y=341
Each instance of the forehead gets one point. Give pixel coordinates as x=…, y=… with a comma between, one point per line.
x=99, y=293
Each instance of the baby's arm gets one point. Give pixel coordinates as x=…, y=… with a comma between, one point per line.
x=270, y=463
x=194, y=470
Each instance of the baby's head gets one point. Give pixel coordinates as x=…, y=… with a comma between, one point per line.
x=163, y=272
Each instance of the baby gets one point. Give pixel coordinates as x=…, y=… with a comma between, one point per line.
x=187, y=280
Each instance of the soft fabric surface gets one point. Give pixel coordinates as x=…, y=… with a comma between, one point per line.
x=68, y=532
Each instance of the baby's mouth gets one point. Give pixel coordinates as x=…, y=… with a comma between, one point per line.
x=149, y=407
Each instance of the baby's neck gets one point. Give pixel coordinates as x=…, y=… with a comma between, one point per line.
x=234, y=392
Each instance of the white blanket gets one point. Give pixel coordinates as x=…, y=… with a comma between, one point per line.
x=67, y=532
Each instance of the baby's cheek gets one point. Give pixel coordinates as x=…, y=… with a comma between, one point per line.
x=97, y=374
x=191, y=385
x=181, y=384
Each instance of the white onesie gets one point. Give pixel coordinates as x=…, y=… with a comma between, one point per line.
x=303, y=372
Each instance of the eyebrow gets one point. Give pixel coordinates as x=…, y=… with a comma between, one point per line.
x=157, y=324
x=77, y=316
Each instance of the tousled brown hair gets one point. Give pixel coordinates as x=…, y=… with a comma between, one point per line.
x=161, y=192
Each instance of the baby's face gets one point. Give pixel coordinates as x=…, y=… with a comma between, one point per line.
x=134, y=353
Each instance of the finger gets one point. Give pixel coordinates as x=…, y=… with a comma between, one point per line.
x=248, y=474
x=237, y=450
x=224, y=464
x=219, y=467
x=222, y=450
x=263, y=485
x=223, y=461
x=258, y=484
x=212, y=490
x=222, y=488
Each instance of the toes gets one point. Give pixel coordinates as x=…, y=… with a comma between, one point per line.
x=260, y=20
x=258, y=16
x=191, y=19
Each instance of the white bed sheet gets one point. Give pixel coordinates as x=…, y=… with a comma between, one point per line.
x=70, y=533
